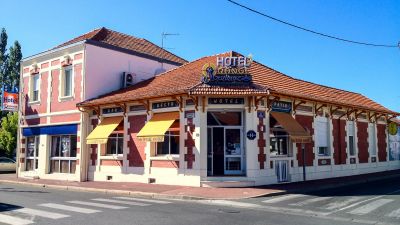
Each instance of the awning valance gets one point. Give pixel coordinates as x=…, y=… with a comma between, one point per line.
x=296, y=132
x=156, y=127
x=100, y=134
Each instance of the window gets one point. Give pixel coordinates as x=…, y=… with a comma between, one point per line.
x=115, y=144
x=63, y=154
x=372, y=139
x=35, y=88
x=67, y=81
x=322, y=135
x=279, y=139
x=32, y=153
x=170, y=146
x=350, y=133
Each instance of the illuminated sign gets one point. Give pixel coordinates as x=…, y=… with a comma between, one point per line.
x=9, y=101
x=227, y=70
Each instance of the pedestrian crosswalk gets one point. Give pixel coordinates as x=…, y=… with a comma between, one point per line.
x=330, y=205
x=60, y=210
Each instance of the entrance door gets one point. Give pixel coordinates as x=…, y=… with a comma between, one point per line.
x=225, y=150
x=32, y=153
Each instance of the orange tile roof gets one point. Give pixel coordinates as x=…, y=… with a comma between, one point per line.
x=186, y=79
x=127, y=42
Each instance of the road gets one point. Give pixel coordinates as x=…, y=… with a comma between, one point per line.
x=373, y=203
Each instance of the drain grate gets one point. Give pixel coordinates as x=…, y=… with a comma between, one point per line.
x=228, y=211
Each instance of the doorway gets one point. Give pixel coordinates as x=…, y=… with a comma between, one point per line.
x=225, y=151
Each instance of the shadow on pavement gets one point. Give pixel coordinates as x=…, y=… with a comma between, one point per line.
x=8, y=207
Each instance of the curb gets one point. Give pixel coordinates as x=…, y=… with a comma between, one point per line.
x=108, y=191
x=189, y=197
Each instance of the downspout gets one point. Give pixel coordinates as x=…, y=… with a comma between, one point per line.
x=85, y=153
x=20, y=89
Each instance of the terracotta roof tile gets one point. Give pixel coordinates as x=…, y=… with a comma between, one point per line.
x=128, y=42
x=186, y=79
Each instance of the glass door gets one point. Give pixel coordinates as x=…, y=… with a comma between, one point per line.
x=233, y=151
x=32, y=153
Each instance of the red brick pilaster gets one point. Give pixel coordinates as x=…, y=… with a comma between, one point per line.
x=307, y=123
x=339, y=141
x=261, y=143
x=189, y=141
x=382, y=145
x=93, y=154
x=362, y=142
x=136, y=155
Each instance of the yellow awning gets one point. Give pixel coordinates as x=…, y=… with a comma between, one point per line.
x=100, y=134
x=296, y=132
x=156, y=127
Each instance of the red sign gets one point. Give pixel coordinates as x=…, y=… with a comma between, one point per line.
x=9, y=101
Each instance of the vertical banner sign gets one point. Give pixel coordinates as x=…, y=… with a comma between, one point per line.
x=9, y=101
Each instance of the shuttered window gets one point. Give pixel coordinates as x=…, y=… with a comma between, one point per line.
x=371, y=139
x=322, y=135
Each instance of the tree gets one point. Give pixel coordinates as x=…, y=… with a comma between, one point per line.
x=3, y=55
x=13, y=65
x=8, y=134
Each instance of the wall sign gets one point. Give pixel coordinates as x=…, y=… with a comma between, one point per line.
x=112, y=110
x=251, y=135
x=226, y=101
x=9, y=101
x=261, y=114
x=161, y=105
x=280, y=106
x=231, y=70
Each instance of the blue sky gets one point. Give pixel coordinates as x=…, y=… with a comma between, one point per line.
x=210, y=27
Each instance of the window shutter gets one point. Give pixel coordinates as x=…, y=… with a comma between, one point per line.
x=322, y=132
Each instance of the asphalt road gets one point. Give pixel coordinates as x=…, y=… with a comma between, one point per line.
x=373, y=203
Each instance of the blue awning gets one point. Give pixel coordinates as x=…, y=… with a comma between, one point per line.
x=51, y=130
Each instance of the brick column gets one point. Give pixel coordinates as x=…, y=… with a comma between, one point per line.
x=382, y=145
x=261, y=142
x=362, y=142
x=93, y=147
x=136, y=154
x=307, y=123
x=339, y=141
x=189, y=141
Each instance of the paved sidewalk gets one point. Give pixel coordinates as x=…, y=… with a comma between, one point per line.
x=181, y=192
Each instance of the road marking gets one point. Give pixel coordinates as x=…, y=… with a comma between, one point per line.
x=370, y=206
x=69, y=208
x=120, y=202
x=41, y=213
x=309, y=201
x=12, y=220
x=100, y=205
x=366, y=200
x=230, y=203
x=143, y=200
x=283, y=198
x=342, y=203
x=395, y=213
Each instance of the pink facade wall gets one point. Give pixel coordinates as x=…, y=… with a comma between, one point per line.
x=37, y=108
x=70, y=104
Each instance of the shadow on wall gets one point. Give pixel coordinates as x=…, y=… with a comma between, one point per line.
x=28, y=110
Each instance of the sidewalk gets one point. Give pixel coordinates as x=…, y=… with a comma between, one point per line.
x=181, y=192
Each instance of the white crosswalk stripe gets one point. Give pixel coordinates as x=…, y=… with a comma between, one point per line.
x=100, y=205
x=309, y=201
x=283, y=198
x=12, y=220
x=70, y=208
x=41, y=213
x=120, y=202
x=370, y=207
x=143, y=200
x=395, y=214
x=342, y=203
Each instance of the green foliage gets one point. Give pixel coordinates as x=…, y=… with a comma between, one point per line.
x=8, y=134
x=9, y=61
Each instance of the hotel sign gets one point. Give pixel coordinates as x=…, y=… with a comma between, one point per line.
x=231, y=70
x=280, y=106
x=226, y=101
